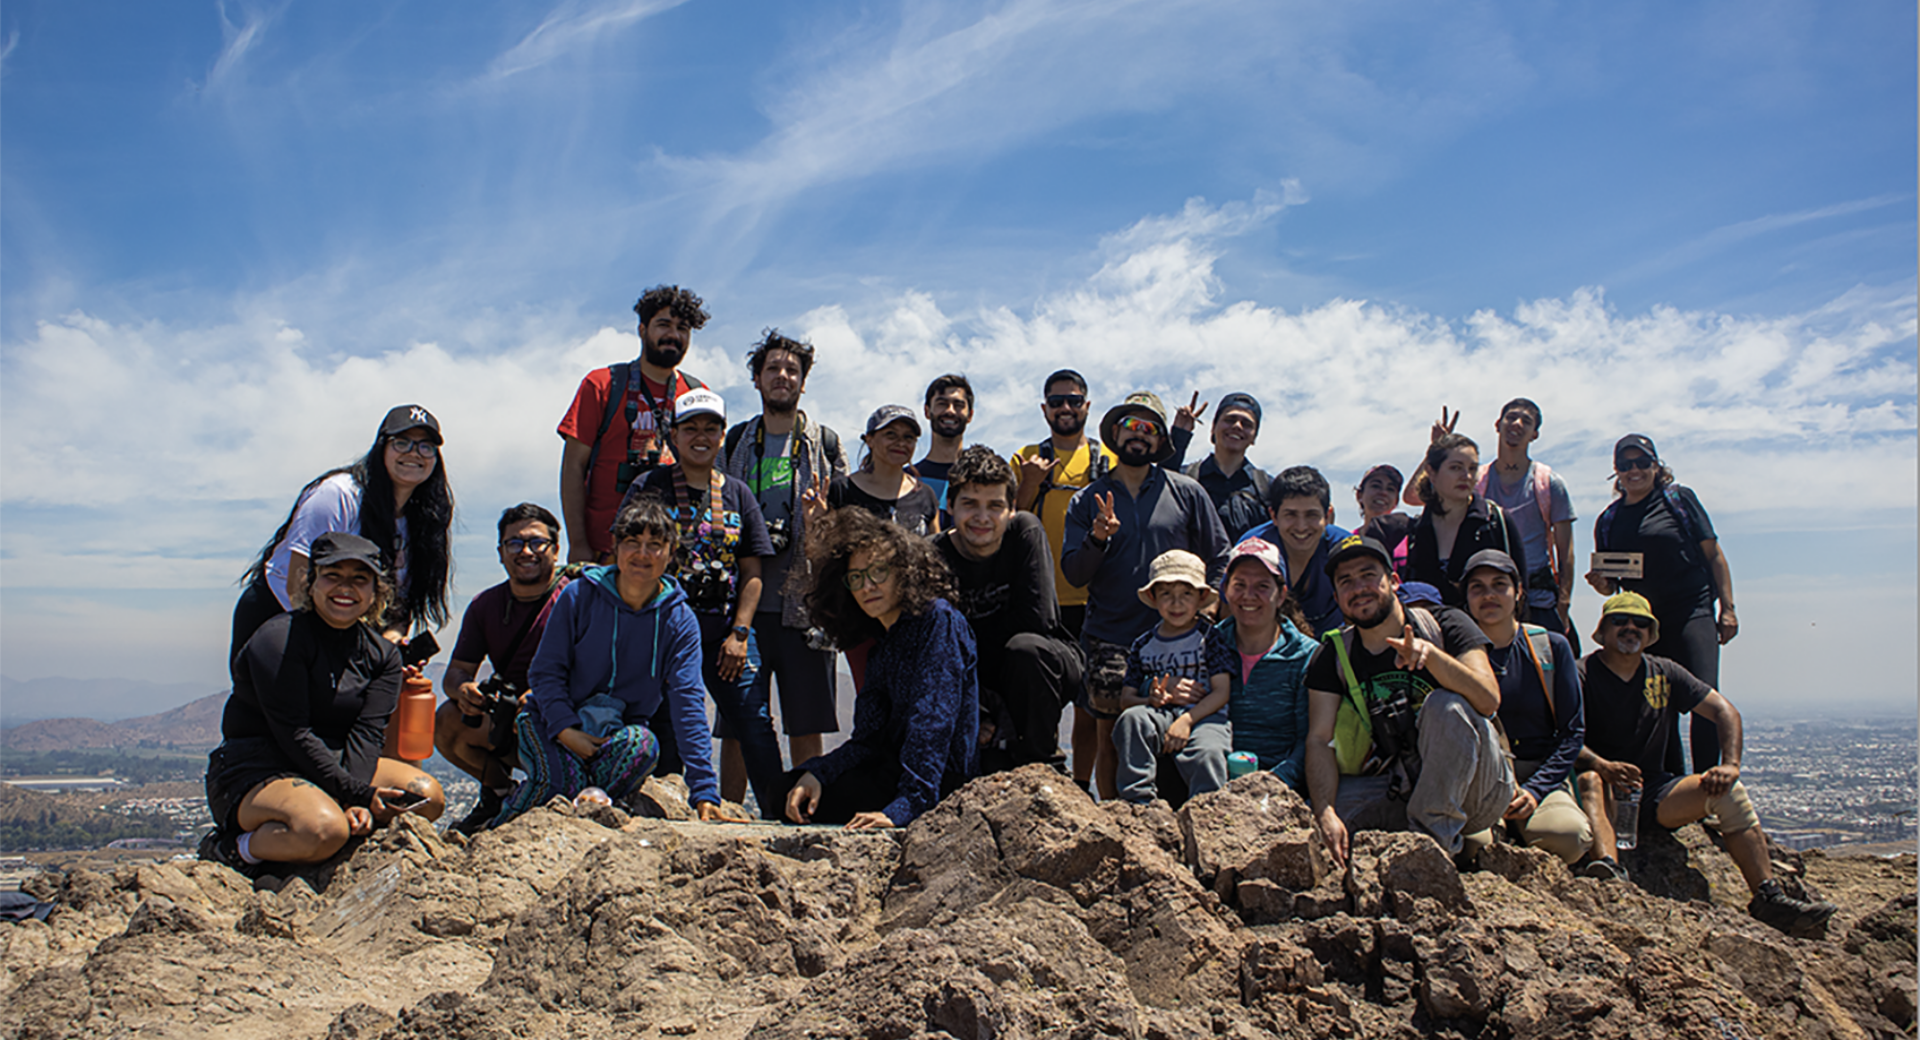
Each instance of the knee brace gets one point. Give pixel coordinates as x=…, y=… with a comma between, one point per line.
x=1734, y=810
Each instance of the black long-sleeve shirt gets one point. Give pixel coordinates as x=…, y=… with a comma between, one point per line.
x=322, y=694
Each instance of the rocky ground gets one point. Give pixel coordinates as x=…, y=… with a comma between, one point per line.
x=1017, y=908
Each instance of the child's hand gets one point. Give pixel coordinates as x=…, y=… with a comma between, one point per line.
x=1157, y=695
x=1177, y=734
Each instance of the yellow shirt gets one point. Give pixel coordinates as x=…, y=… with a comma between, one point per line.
x=1070, y=474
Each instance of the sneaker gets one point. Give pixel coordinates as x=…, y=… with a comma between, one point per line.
x=485, y=808
x=1797, y=917
x=223, y=847
x=1604, y=869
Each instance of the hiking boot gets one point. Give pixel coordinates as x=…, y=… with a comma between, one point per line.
x=1797, y=917
x=223, y=847
x=477, y=819
x=1604, y=869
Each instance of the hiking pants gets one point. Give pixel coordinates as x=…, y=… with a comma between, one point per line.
x=1137, y=739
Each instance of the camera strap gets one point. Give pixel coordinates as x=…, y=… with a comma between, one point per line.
x=689, y=517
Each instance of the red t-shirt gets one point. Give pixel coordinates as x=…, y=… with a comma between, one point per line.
x=582, y=422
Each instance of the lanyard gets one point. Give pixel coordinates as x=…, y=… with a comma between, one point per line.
x=760, y=457
x=689, y=533
x=637, y=383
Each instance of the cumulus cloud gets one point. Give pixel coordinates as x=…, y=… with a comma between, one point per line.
x=160, y=456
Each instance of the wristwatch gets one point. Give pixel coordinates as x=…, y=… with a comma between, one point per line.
x=742, y=631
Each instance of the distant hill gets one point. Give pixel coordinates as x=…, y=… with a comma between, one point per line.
x=193, y=726
x=109, y=700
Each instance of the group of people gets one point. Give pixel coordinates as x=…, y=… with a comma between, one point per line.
x=1196, y=619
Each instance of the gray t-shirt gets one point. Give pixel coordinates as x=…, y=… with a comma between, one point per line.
x=1518, y=500
x=772, y=483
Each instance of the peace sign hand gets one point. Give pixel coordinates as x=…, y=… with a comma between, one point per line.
x=1105, y=525
x=1190, y=413
x=813, y=501
x=1443, y=425
x=1158, y=696
x=1410, y=651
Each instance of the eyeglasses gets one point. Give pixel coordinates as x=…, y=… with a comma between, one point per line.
x=1137, y=424
x=404, y=446
x=874, y=575
x=1632, y=621
x=1066, y=400
x=534, y=545
x=1637, y=462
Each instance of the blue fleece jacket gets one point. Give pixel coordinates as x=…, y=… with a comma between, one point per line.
x=921, y=707
x=595, y=643
x=1270, y=708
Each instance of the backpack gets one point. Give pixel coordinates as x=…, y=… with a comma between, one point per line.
x=1689, y=546
x=1542, y=500
x=617, y=392
x=1353, y=735
x=829, y=441
x=1540, y=651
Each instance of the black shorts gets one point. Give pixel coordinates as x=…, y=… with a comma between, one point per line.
x=235, y=768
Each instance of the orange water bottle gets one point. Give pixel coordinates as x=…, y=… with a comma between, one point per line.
x=413, y=719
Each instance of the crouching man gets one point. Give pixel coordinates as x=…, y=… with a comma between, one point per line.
x=1634, y=703
x=1399, y=714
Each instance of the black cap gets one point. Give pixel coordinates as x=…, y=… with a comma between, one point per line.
x=1065, y=373
x=1357, y=545
x=403, y=417
x=1634, y=440
x=1243, y=401
x=1391, y=471
x=341, y=547
x=1494, y=558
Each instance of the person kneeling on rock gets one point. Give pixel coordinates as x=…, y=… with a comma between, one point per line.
x=299, y=770
x=621, y=641
x=916, y=720
x=1179, y=676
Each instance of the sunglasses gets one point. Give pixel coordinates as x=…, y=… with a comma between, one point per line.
x=1637, y=462
x=1632, y=621
x=1137, y=424
x=1066, y=400
x=874, y=575
x=404, y=446
x=519, y=545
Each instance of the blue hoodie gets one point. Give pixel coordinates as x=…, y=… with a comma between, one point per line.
x=1270, y=709
x=595, y=643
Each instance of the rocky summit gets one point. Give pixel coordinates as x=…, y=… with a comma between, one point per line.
x=1017, y=908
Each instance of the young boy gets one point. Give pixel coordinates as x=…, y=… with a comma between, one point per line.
x=1175, y=693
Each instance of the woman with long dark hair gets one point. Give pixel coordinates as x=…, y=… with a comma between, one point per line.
x=1682, y=570
x=916, y=721
x=299, y=769
x=397, y=497
x=1457, y=522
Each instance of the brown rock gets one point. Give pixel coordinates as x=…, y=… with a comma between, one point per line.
x=1254, y=828
x=1404, y=875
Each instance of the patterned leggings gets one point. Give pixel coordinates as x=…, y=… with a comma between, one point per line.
x=629, y=754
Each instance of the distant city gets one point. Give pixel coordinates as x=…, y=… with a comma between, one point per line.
x=1826, y=783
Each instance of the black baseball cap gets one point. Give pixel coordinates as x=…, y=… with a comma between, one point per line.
x=403, y=417
x=341, y=547
x=1355, y=545
x=1243, y=401
x=1494, y=558
x=1634, y=440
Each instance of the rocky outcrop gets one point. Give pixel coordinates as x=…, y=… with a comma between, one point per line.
x=1017, y=908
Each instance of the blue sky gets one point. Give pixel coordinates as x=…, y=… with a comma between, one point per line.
x=232, y=235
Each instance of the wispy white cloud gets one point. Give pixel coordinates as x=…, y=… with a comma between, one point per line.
x=7, y=48
x=237, y=41
x=572, y=25
x=1722, y=238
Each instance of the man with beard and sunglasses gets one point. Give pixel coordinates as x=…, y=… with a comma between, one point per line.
x=1115, y=527
x=1634, y=703
x=615, y=432
x=949, y=409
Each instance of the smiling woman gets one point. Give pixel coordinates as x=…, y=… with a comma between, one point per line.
x=397, y=496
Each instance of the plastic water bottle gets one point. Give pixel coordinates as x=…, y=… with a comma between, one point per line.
x=1240, y=763
x=413, y=719
x=1626, y=816
x=591, y=798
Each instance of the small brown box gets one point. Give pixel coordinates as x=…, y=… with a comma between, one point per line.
x=1617, y=564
